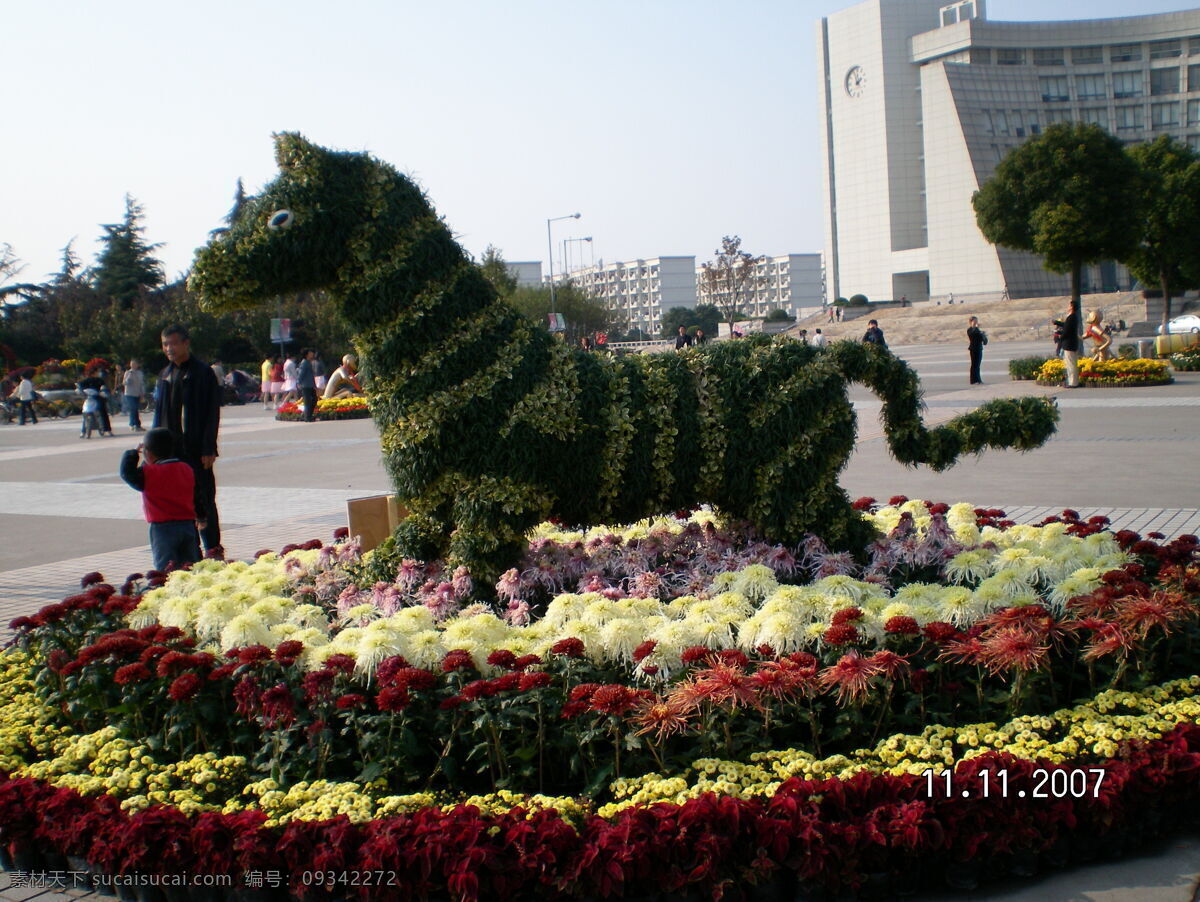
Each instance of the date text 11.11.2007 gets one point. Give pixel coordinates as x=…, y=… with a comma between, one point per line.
x=1040, y=783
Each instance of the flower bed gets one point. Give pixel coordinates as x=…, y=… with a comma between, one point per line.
x=1186, y=361
x=331, y=409
x=1025, y=368
x=672, y=707
x=1108, y=373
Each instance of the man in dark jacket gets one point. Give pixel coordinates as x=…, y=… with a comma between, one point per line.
x=1066, y=334
x=874, y=335
x=306, y=381
x=975, y=342
x=188, y=402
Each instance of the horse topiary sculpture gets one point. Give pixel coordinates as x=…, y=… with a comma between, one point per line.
x=489, y=425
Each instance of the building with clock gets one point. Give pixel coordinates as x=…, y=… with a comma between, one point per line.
x=921, y=100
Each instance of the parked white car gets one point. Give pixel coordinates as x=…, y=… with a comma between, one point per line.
x=1189, y=322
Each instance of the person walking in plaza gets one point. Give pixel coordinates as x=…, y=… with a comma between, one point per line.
x=318, y=371
x=189, y=404
x=264, y=380
x=682, y=340
x=168, y=488
x=976, y=339
x=97, y=383
x=1066, y=336
x=306, y=381
x=818, y=339
x=276, y=381
x=290, y=370
x=25, y=394
x=134, y=390
x=874, y=335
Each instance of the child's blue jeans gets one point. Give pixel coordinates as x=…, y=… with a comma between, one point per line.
x=174, y=540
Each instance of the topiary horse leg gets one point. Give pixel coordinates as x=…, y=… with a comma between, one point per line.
x=491, y=517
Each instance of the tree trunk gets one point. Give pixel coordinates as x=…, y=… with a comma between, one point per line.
x=1166, y=293
x=1076, y=296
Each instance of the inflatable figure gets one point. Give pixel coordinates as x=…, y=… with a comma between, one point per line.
x=489, y=426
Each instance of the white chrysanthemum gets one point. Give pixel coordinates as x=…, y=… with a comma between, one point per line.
x=886, y=518
x=639, y=607
x=213, y=616
x=361, y=613
x=308, y=616
x=146, y=613
x=674, y=636
x=895, y=609
x=1011, y=582
x=272, y=609
x=1106, y=562
x=678, y=607
x=426, y=649
x=968, y=566
x=599, y=612
x=723, y=582
x=783, y=630
x=244, y=629
x=927, y=612
x=620, y=637
x=814, y=631
x=380, y=640
x=989, y=596
x=587, y=633
x=179, y=611
x=756, y=582
x=728, y=607
x=957, y=605
x=1022, y=599
x=788, y=597
x=844, y=586
x=564, y=608
x=919, y=511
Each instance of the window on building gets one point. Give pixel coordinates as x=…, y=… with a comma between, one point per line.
x=1089, y=86
x=1193, y=112
x=1095, y=115
x=1000, y=118
x=1161, y=50
x=1087, y=55
x=1127, y=84
x=1049, y=56
x=1125, y=53
x=1130, y=117
x=981, y=56
x=1193, y=141
x=1054, y=116
x=1193, y=46
x=1164, y=81
x=1054, y=88
x=1193, y=78
x=949, y=16
x=1164, y=115
x=1008, y=57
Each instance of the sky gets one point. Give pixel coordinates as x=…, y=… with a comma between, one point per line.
x=666, y=123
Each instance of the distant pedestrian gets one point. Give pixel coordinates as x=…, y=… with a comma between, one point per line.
x=25, y=395
x=818, y=339
x=585, y=343
x=291, y=367
x=1066, y=338
x=276, y=380
x=976, y=339
x=90, y=414
x=307, y=383
x=318, y=370
x=682, y=340
x=168, y=487
x=839, y=314
x=832, y=313
x=189, y=404
x=700, y=338
x=218, y=371
x=97, y=382
x=134, y=392
x=874, y=335
x=264, y=380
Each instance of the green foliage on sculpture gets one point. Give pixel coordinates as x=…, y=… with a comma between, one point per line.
x=489, y=425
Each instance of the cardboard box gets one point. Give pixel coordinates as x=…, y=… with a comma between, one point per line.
x=374, y=518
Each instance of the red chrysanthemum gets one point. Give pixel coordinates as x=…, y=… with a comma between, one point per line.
x=185, y=687
x=851, y=676
x=613, y=699
x=902, y=626
x=841, y=634
x=568, y=648
x=1014, y=648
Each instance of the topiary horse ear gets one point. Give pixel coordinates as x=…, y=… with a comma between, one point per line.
x=293, y=150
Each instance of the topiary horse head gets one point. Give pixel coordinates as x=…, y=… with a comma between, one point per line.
x=489, y=425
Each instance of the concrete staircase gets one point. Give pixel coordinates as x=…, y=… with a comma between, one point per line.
x=1024, y=319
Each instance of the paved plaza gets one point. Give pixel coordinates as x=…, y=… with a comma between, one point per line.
x=1129, y=454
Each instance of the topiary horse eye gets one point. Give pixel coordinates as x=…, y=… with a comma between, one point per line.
x=280, y=219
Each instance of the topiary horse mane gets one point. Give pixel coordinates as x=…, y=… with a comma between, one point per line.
x=489, y=425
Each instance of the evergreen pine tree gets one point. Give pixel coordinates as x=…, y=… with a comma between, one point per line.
x=127, y=264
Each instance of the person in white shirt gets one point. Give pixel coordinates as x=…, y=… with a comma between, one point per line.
x=818, y=340
x=290, y=371
x=133, y=391
x=26, y=395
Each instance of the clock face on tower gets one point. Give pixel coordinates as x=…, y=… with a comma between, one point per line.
x=856, y=81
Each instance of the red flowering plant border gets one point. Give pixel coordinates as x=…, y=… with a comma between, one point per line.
x=887, y=833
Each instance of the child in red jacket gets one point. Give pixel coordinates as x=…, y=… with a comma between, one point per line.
x=167, y=485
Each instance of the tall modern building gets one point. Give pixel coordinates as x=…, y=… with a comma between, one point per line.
x=921, y=100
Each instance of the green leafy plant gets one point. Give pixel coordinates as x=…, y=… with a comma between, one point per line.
x=1025, y=368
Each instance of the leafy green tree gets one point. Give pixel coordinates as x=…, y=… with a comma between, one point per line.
x=729, y=280
x=702, y=316
x=584, y=315
x=1168, y=252
x=127, y=264
x=496, y=271
x=1069, y=195
x=779, y=315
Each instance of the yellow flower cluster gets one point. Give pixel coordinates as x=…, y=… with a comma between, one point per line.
x=328, y=405
x=1090, y=730
x=27, y=728
x=1053, y=370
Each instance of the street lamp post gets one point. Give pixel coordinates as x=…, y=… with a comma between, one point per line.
x=550, y=251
